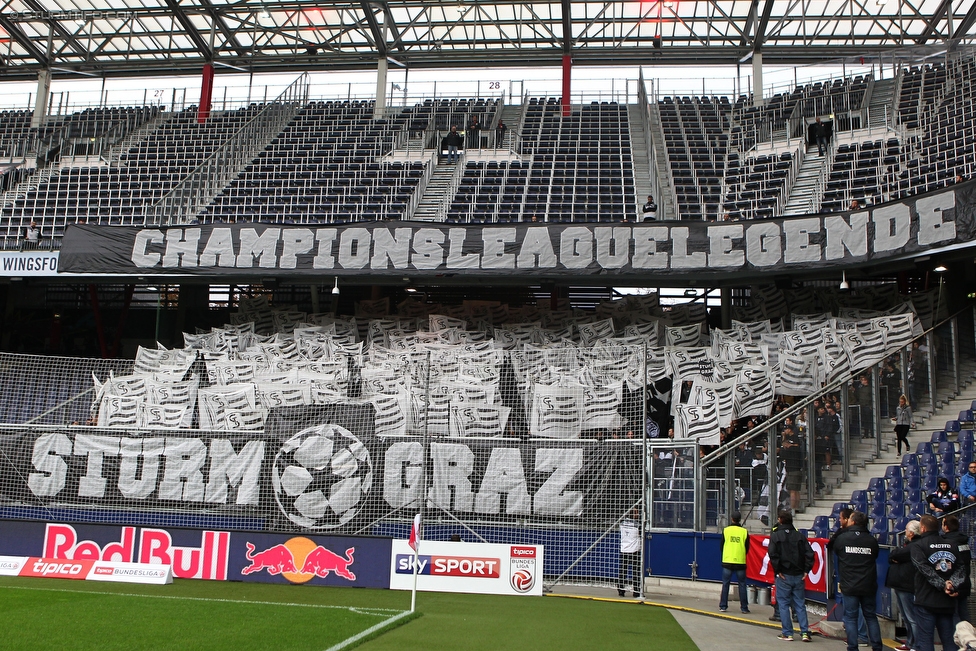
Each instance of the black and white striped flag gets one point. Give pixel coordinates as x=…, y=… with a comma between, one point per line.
x=600, y=406
x=557, y=412
x=698, y=422
x=864, y=348
x=753, y=392
x=591, y=332
x=689, y=335
x=722, y=394
x=799, y=375
x=156, y=416
x=391, y=418
x=119, y=411
x=478, y=420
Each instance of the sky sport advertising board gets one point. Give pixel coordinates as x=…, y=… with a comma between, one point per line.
x=479, y=568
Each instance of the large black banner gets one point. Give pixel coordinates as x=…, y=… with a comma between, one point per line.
x=922, y=223
x=318, y=469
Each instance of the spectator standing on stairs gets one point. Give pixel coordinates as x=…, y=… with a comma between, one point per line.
x=453, y=140
x=903, y=423
x=649, y=211
x=820, y=133
x=474, y=133
x=500, y=130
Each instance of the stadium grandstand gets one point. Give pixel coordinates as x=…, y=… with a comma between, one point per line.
x=297, y=313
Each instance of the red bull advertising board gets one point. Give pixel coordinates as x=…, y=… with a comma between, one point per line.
x=480, y=568
x=316, y=560
x=208, y=554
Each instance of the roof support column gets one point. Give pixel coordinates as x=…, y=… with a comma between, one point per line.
x=567, y=77
x=379, y=108
x=40, y=103
x=206, y=93
x=757, y=80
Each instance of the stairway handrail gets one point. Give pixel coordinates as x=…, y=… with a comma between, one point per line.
x=803, y=403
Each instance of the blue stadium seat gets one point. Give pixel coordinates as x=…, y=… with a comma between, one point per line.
x=859, y=501
x=894, y=477
x=909, y=461
x=952, y=426
x=924, y=447
x=938, y=437
x=821, y=526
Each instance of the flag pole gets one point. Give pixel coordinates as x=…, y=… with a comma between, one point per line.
x=413, y=594
x=415, y=543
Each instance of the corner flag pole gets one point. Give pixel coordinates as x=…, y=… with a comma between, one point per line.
x=415, y=543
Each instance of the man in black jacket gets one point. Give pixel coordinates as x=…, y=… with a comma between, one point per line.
x=857, y=551
x=950, y=531
x=901, y=579
x=453, y=141
x=791, y=557
x=940, y=574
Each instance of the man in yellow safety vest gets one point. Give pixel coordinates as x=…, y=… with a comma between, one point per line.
x=735, y=546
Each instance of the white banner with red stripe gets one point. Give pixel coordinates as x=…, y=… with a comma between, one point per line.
x=86, y=570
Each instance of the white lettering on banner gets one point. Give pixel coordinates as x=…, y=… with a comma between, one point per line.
x=841, y=236
x=183, y=474
x=790, y=241
x=932, y=228
x=186, y=470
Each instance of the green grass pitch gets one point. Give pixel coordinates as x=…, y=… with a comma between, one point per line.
x=59, y=614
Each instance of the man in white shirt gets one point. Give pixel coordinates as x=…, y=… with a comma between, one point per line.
x=630, y=553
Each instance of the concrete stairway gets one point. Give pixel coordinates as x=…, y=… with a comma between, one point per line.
x=882, y=104
x=511, y=114
x=643, y=185
x=437, y=187
x=868, y=463
x=666, y=208
x=803, y=194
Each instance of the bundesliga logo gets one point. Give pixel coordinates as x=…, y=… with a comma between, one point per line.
x=522, y=577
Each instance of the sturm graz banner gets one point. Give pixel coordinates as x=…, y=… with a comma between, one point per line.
x=922, y=223
x=318, y=469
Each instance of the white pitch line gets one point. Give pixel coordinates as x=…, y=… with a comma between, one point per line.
x=369, y=631
x=374, y=612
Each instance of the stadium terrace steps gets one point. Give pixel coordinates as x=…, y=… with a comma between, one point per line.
x=643, y=184
x=665, y=202
x=882, y=102
x=804, y=193
x=869, y=464
x=438, y=185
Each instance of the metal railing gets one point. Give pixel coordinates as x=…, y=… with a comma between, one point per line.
x=931, y=374
x=193, y=193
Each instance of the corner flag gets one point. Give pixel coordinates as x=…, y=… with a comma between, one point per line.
x=414, y=541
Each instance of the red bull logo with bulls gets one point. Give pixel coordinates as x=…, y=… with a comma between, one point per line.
x=299, y=560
